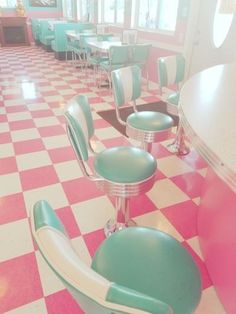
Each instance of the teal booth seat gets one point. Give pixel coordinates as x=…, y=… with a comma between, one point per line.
x=45, y=34
x=35, y=25
x=135, y=271
x=59, y=43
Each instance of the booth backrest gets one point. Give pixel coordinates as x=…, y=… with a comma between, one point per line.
x=44, y=31
x=59, y=42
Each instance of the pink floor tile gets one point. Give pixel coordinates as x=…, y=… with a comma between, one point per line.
x=100, y=123
x=62, y=303
x=19, y=281
x=79, y=190
x=194, y=160
x=118, y=141
x=141, y=205
x=13, y=109
x=41, y=113
x=22, y=124
x=5, y=138
x=69, y=222
x=3, y=118
x=93, y=240
x=38, y=177
x=183, y=217
x=61, y=154
x=206, y=280
x=8, y=165
x=11, y=97
x=191, y=183
x=29, y=146
x=51, y=130
x=12, y=208
x=160, y=151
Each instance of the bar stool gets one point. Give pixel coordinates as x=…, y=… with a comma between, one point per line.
x=145, y=126
x=122, y=172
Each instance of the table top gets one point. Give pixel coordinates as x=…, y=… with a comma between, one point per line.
x=207, y=109
x=103, y=46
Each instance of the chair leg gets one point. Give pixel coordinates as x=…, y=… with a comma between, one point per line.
x=122, y=219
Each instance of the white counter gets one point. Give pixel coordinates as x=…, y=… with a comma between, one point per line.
x=208, y=114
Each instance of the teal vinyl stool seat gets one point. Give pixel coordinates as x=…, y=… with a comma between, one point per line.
x=122, y=172
x=135, y=271
x=171, y=71
x=145, y=126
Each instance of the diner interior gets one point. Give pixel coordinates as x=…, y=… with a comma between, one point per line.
x=114, y=198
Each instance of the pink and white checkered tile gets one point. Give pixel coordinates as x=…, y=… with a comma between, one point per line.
x=37, y=162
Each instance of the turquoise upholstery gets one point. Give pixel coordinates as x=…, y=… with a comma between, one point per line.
x=59, y=43
x=145, y=126
x=122, y=172
x=45, y=35
x=149, y=120
x=135, y=271
x=153, y=263
x=120, y=164
x=35, y=25
x=171, y=71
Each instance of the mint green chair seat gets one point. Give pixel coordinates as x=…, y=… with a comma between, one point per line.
x=122, y=172
x=120, y=164
x=135, y=271
x=145, y=126
x=171, y=72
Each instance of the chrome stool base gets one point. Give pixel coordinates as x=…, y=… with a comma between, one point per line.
x=113, y=226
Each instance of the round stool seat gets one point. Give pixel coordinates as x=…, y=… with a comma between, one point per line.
x=150, y=121
x=153, y=263
x=120, y=164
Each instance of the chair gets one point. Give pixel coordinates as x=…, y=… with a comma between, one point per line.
x=71, y=43
x=135, y=271
x=129, y=36
x=171, y=71
x=118, y=57
x=145, y=126
x=140, y=54
x=122, y=172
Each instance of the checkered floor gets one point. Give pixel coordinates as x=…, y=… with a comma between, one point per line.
x=37, y=162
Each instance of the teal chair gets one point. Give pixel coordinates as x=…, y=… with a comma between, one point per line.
x=122, y=172
x=145, y=126
x=139, y=56
x=119, y=57
x=171, y=72
x=135, y=271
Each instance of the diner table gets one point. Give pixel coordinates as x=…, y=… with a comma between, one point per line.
x=207, y=109
x=103, y=46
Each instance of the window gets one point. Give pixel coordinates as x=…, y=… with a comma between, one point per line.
x=222, y=21
x=111, y=11
x=67, y=9
x=155, y=14
x=7, y=3
x=85, y=10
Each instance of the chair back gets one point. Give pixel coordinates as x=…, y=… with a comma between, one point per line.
x=140, y=53
x=130, y=36
x=94, y=293
x=126, y=84
x=119, y=55
x=171, y=70
x=79, y=125
x=101, y=28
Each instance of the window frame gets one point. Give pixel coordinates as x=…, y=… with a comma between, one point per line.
x=157, y=29
x=7, y=6
x=101, y=14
